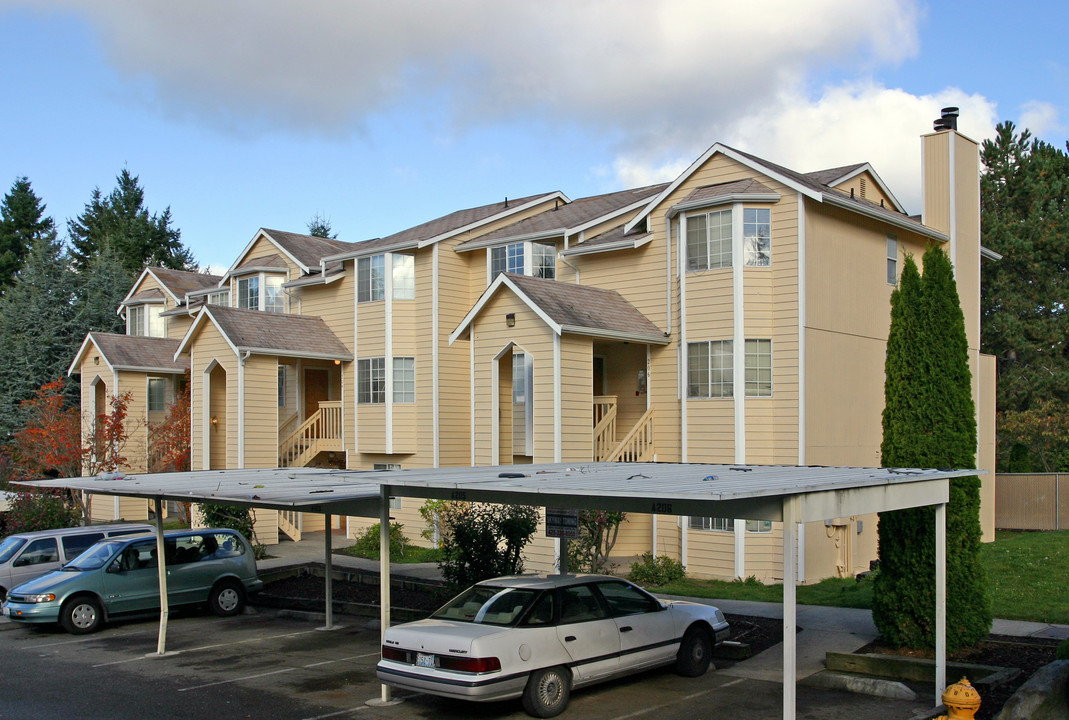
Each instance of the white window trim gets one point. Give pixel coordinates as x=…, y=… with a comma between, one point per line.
x=528, y=258
x=261, y=299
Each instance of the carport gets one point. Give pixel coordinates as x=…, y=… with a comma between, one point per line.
x=787, y=494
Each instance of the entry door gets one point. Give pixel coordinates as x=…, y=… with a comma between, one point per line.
x=316, y=390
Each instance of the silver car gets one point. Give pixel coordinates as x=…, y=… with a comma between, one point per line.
x=539, y=636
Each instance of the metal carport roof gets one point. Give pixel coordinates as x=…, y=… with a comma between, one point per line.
x=788, y=494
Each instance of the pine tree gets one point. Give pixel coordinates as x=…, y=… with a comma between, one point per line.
x=22, y=221
x=929, y=421
x=100, y=290
x=38, y=332
x=319, y=226
x=121, y=223
x=1024, y=296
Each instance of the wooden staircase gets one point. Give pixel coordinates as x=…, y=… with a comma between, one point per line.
x=636, y=446
x=321, y=432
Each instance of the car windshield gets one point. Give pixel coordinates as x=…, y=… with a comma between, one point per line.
x=488, y=605
x=9, y=547
x=95, y=557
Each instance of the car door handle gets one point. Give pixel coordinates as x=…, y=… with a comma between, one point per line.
x=569, y=638
x=625, y=628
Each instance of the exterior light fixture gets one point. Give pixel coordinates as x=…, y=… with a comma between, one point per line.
x=510, y=320
x=215, y=421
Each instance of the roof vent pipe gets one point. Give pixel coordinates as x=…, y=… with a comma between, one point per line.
x=948, y=119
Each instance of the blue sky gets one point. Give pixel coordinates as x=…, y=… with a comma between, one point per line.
x=255, y=113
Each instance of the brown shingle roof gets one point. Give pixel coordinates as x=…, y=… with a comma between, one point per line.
x=571, y=215
x=825, y=177
x=748, y=186
x=181, y=282
x=446, y=223
x=583, y=307
x=129, y=352
x=267, y=261
x=283, y=334
x=152, y=295
x=308, y=249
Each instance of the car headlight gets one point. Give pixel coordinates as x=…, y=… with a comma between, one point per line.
x=42, y=598
x=719, y=616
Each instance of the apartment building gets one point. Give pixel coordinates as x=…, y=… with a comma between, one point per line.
x=737, y=314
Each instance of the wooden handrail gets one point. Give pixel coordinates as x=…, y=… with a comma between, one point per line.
x=637, y=445
x=324, y=424
x=604, y=426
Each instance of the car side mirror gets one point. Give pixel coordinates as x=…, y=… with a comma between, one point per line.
x=115, y=567
x=21, y=562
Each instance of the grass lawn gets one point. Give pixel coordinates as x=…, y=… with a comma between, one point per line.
x=1026, y=575
x=412, y=554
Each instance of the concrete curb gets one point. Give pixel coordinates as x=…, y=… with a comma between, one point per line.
x=862, y=685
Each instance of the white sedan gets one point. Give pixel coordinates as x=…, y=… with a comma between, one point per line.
x=539, y=636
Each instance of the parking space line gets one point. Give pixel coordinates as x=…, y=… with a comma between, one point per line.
x=204, y=647
x=278, y=672
x=733, y=682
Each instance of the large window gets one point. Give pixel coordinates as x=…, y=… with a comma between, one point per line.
x=404, y=380
x=728, y=524
x=370, y=278
x=249, y=293
x=757, y=236
x=157, y=395
x=282, y=386
x=524, y=258
x=146, y=320
x=404, y=277
x=371, y=381
x=219, y=298
x=710, y=237
x=759, y=368
x=274, y=299
x=710, y=369
x=709, y=240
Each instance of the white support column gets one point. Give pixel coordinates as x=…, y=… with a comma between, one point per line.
x=384, y=574
x=940, y=601
x=329, y=580
x=790, y=608
x=161, y=568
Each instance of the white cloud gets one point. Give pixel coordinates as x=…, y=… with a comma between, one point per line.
x=863, y=122
x=1041, y=118
x=653, y=71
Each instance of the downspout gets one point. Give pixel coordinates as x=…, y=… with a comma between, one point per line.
x=668, y=274
x=242, y=357
x=564, y=260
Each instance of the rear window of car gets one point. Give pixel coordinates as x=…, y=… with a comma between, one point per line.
x=75, y=545
x=487, y=605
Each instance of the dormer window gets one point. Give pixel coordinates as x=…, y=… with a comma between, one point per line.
x=145, y=320
x=263, y=292
x=524, y=258
x=711, y=238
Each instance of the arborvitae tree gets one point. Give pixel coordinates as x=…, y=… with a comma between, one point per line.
x=929, y=421
x=319, y=226
x=1024, y=198
x=38, y=334
x=22, y=221
x=121, y=222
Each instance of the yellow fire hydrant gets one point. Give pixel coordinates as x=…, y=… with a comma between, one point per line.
x=961, y=701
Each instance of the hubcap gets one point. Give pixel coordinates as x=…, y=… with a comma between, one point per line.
x=549, y=690
x=228, y=599
x=83, y=616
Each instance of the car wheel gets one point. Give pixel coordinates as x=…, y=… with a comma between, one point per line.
x=227, y=598
x=81, y=615
x=695, y=652
x=3, y=594
x=547, y=691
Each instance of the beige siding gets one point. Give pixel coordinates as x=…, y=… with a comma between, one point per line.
x=863, y=185
x=261, y=412
x=210, y=346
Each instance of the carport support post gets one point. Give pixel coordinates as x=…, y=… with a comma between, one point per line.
x=790, y=606
x=384, y=574
x=940, y=601
x=161, y=568
x=329, y=580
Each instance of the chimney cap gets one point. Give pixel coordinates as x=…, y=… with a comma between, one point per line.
x=948, y=119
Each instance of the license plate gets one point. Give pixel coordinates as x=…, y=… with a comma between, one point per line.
x=7, y=611
x=423, y=660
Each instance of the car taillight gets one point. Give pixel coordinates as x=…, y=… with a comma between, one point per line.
x=392, y=653
x=466, y=664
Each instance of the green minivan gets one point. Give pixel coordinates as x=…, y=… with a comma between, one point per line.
x=212, y=566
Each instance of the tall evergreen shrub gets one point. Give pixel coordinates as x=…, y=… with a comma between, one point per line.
x=929, y=421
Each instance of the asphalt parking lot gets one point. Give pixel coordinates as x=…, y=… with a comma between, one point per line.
x=260, y=665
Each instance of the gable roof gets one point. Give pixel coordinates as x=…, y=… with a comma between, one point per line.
x=305, y=251
x=175, y=283
x=571, y=218
x=569, y=308
x=445, y=226
x=134, y=353
x=266, y=333
x=809, y=185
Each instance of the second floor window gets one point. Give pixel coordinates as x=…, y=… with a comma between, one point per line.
x=249, y=293
x=892, y=259
x=371, y=277
x=145, y=320
x=524, y=258
x=262, y=292
x=371, y=380
x=219, y=298
x=710, y=237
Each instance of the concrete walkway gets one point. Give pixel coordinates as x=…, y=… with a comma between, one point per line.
x=824, y=629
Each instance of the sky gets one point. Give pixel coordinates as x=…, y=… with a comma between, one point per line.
x=382, y=115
